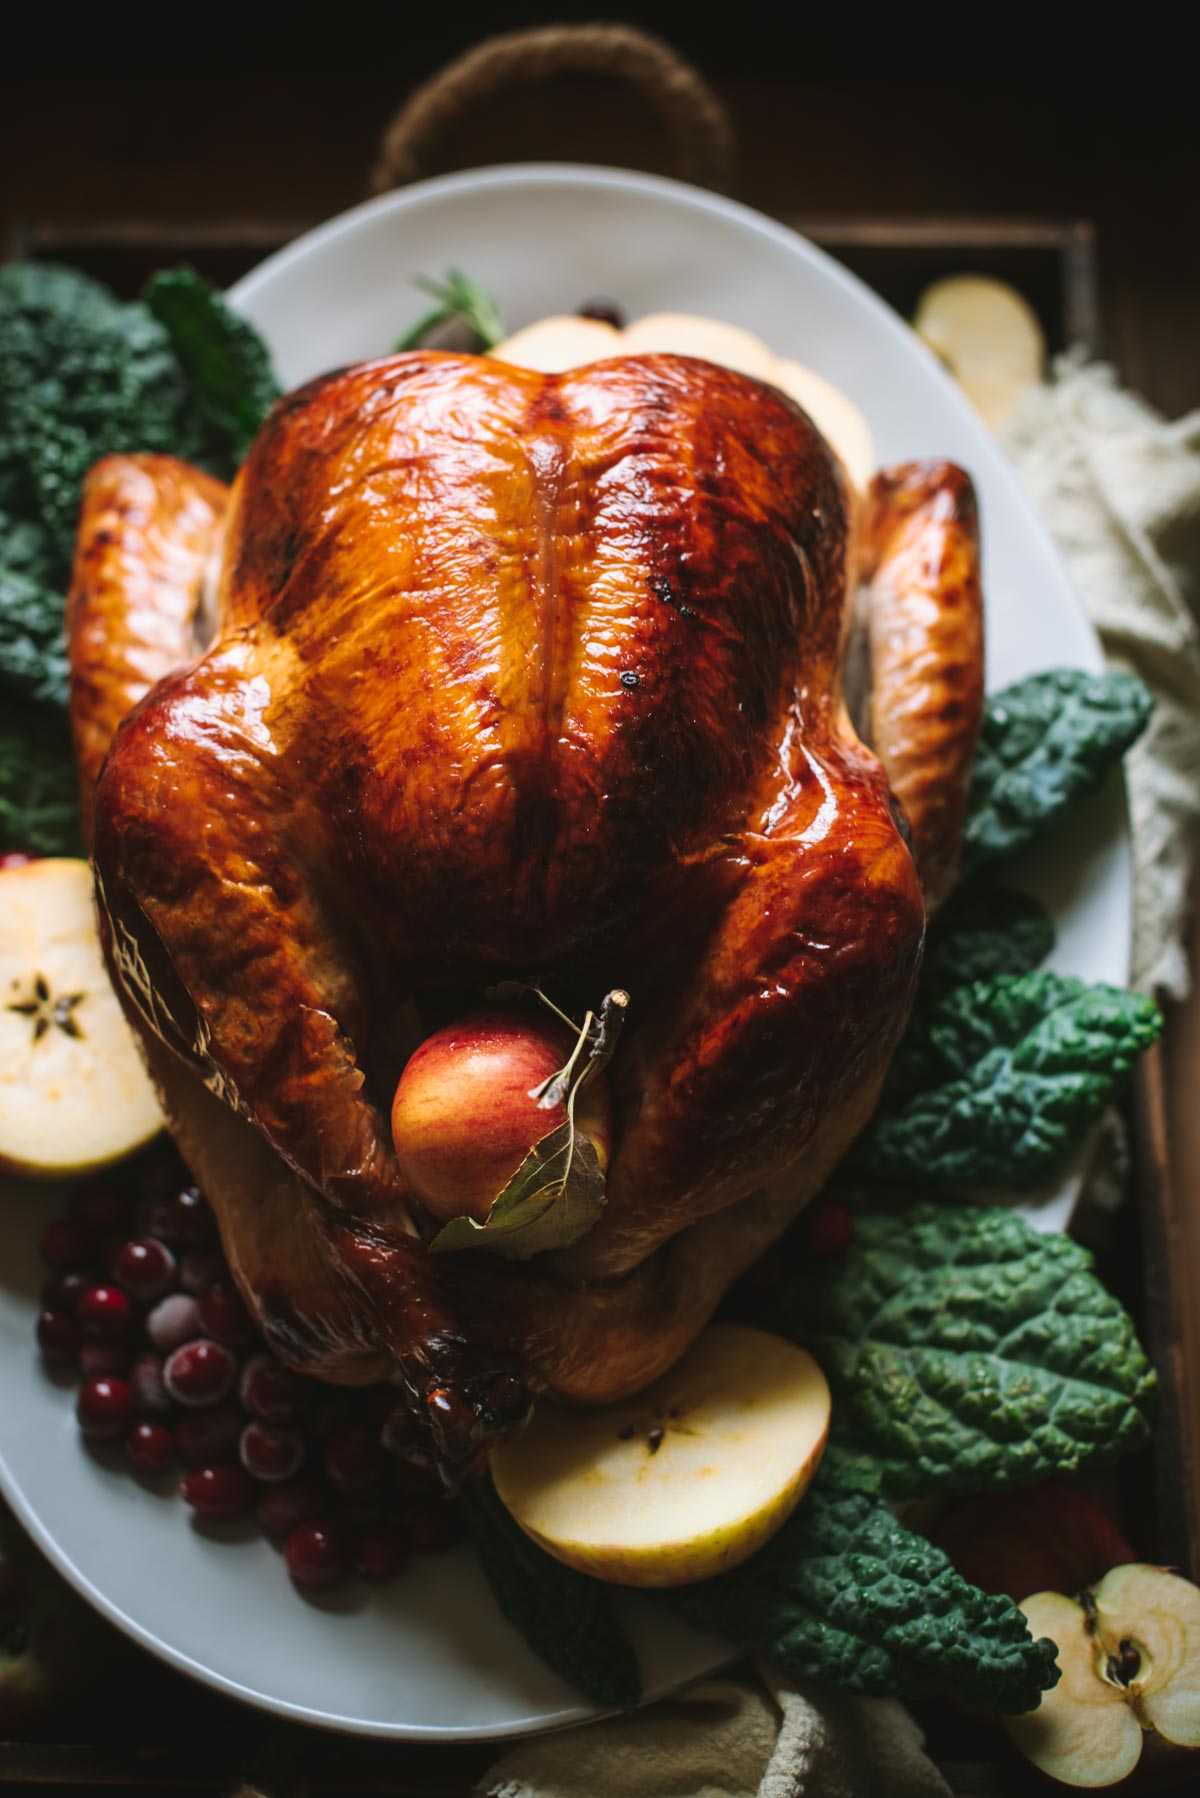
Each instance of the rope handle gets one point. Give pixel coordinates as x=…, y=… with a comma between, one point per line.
x=701, y=135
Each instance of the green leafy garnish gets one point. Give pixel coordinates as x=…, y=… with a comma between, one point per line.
x=1047, y=742
x=966, y=1352
x=983, y=932
x=844, y=1592
x=226, y=362
x=567, y=1618
x=557, y=1193
x=39, y=801
x=33, y=657
x=458, y=300
x=998, y=1080
x=81, y=374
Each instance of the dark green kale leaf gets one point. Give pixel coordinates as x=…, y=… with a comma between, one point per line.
x=33, y=657
x=1046, y=742
x=81, y=374
x=567, y=1619
x=966, y=1352
x=844, y=1592
x=225, y=360
x=998, y=1081
x=982, y=932
x=39, y=801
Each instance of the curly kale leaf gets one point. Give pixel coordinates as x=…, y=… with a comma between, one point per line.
x=967, y=1352
x=567, y=1619
x=33, y=659
x=39, y=804
x=1046, y=742
x=997, y=1081
x=81, y=374
x=844, y=1592
x=225, y=360
x=983, y=932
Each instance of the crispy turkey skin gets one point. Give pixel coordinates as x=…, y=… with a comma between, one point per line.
x=476, y=673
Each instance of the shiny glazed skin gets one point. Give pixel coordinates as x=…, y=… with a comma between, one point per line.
x=516, y=673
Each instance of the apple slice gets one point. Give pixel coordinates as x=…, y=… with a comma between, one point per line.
x=558, y=343
x=683, y=1481
x=1129, y=1654
x=74, y=1095
x=988, y=337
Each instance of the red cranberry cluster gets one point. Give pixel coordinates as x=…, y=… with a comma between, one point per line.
x=140, y=1300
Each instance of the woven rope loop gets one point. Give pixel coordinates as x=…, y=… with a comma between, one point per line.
x=700, y=133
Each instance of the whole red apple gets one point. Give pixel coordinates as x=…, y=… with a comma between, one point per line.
x=465, y=1116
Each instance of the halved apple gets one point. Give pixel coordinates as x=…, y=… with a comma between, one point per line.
x=554, y=344
x=683, y=1481
x=1129, y=1654
x=74, y=1095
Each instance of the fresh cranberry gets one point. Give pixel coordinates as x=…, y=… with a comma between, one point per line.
x=224, y=1315
x=58, y=1336
x=150, y=1394
x=156, y=1217
x=66, y=1245
x=827, y=1229
x=104, y=1408
x=430, y=1528
x=18, y=858
x=272, y=1392
x=148, y=1448
x=104, y=1359
x=353, y=1459
x=102, y=1210
x=377, y=1552
x=199, y=1373
x=282, y=1508
x=173, y=1321
x=105, y=1313
x=270, y=1453
x=222, y=1491
x=203, y=1438
x=191, y=1222
x=605, y=311
x=62, y=1292
x=198, y=1268
x=145, y=1269
x=316, y=1553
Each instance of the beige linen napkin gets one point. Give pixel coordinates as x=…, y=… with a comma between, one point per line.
x=731, y=1738
x=1119, y=489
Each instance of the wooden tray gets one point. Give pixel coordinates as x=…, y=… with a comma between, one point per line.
x=196, y=1742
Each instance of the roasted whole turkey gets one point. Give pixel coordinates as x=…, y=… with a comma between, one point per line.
x=478, y=673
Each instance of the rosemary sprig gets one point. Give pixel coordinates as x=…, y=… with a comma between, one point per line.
x=461, y=299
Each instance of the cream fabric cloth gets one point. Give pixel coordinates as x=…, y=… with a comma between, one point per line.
x=1119, y=488
x=1120, y=491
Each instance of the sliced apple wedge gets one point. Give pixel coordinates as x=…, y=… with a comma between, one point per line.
x=1129, y=1654
x=74, y=1095
x=988, y=337
x=683, y=1481
x=554, y=344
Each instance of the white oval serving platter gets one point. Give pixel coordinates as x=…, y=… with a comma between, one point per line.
x=429, y=1657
